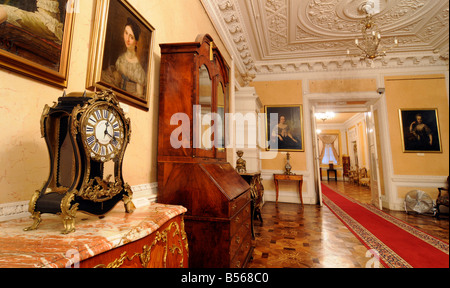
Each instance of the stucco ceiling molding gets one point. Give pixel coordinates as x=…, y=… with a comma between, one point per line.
x=291, y=36
x=235, y=29
x=226, y=16
x=337, y=17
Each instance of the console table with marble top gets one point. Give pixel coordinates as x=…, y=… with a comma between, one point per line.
x=151, y=236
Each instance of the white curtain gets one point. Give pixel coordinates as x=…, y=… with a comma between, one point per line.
x=329, y=142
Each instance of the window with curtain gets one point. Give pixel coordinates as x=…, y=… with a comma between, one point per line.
x=329, y=147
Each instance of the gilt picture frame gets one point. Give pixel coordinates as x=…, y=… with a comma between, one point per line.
x=37, y=42
x=420, y=130
x=121, y=53
x=284, y=128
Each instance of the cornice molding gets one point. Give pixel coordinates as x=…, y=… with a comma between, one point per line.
x=346, y=63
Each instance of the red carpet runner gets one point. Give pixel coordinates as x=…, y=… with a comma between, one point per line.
x=398, y=244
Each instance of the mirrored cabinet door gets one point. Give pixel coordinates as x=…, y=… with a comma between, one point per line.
x=204, y=111
x=220, y=120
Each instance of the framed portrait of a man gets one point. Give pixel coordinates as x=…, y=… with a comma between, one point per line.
x=121, y=52
x=35, y=38
x=284, y=128
x=420, y=130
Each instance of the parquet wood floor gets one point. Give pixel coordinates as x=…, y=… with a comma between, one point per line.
x=313, y=237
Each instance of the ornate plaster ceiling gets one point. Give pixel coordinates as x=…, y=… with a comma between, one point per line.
x=288, y=36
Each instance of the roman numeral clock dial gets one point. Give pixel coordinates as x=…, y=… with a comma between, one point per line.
x=104, y=133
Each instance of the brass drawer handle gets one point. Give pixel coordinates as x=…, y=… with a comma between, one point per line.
x=237, y=219
x=238, y=239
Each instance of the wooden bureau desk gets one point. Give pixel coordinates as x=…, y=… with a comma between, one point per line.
x=284, y=177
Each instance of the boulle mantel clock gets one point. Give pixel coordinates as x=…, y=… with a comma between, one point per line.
x=86, y=137
x=192, y=166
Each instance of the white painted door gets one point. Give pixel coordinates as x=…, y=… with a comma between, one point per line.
x=316, y=156
x=375, y=187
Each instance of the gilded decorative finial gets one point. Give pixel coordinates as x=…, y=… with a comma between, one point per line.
x=211, y=53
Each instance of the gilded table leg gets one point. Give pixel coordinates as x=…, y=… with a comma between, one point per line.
x=69, y=225
x=68, y=212
x=127, y=199
x=129, y=206
x=37, y=220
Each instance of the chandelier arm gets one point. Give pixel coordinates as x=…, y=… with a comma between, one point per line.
x=388, y=48
x=377, y=44
x=362, y=49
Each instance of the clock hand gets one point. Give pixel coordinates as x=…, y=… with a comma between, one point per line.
x=112, y=137
x=106, y=130
x=107, y=133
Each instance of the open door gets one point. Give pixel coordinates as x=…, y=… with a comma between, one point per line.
x=316, y=156
x=375, y=187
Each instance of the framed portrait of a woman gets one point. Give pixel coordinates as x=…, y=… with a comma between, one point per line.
x=284, y=128
x=35, y=38
x=121, y=52
x=420, y=130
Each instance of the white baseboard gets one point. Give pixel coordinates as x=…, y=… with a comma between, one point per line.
x=14, y=210
x=143, y=195
x=420, y=180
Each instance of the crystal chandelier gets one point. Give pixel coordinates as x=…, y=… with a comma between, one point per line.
x=370, y=45
x=325, y=116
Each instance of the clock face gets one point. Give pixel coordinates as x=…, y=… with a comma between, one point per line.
x=104, y=132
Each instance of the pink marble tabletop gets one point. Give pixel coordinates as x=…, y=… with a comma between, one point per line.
x=46, y=247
